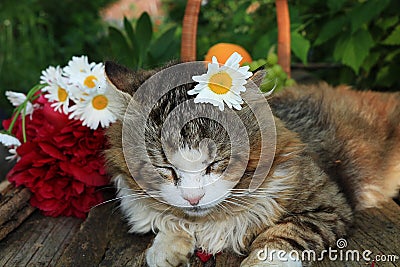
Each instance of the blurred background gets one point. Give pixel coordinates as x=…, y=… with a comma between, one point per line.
x=340, y=41
x=356, y=42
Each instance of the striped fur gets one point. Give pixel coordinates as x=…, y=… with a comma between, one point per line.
x=320, y=174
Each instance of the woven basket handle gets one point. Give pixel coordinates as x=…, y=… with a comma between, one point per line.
x=189, y=31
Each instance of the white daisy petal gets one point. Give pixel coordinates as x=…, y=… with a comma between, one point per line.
x=198, y=88
x=50, y=76
x=94, y=109
x=200, y=78
x=76, y=66
x=222, y=84
x=18, y=99
x=13, y=155
x=233, y=60
x=207, y=96
x=15, y=98
x=213, y=68
x=58, y=94
x=237, y=106
x=9, y=140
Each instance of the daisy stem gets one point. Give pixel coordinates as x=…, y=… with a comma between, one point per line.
x=23, y=123
x=34, y=90
x=22, y=107
x=14, y=119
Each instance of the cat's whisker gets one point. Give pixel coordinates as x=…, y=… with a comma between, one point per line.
x=224, y=209
x=236, y=204
x=135, y=196
x=242, y=201
x=155, y=204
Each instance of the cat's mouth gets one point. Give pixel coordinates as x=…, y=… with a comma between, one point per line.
x=196, y=211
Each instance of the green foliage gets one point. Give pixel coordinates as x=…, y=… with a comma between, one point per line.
x=139, y=46
x=275, y=79
x=360, y=39
x=300, y=46
x=363, y=36
x=37, y=33
x=353, y=49
x=394, y=37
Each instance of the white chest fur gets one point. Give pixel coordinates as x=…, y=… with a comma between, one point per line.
x=213, y=236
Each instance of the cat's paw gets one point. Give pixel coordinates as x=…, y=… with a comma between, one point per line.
x=170, y=250
x=258, y=258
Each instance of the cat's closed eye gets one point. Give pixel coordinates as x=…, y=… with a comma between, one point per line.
x=167, y=173
x=218, y=166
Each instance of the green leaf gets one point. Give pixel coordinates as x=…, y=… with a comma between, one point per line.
x=394, y=37
x=353, y=49
x=300, y=46
x=144, y=32
x=120, y=47
x=335, y=5
x=364, y=13
x=387, y=76
x=387, y=22
x=390, y=57
x=371, y=60
x=265, y=42
x=161, y=44
x=331, y=29
x=132, y=40
x=382, y=75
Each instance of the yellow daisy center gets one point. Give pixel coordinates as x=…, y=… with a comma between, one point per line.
x=62, y=94
x=89, y=81
x=220, y=83
x=100, y=102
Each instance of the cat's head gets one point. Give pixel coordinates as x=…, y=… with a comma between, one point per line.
x=191, y=164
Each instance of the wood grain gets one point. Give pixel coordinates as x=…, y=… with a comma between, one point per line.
x=103, y=240
x=39, y=241
x=14, y=207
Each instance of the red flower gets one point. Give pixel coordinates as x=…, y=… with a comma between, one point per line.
x=61, y=162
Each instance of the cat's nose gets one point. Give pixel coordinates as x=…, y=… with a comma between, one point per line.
x=193, y=200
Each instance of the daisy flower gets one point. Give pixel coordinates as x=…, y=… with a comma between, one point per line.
x=80, y=71
x=58, y=92
x=94, y=107
x=77, y=66
x=17, y=99
x=12, y=143
x=9, y=140
x=50, y=75
x=83, y=76
x=222, y=84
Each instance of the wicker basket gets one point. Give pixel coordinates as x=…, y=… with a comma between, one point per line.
x=189, y=32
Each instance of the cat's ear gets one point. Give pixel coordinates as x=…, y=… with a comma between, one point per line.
x=120, y=82
x=120, y=77
x=258, y=76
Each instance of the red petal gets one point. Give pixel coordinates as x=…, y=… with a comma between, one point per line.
x=81, y=174
x=52, y=151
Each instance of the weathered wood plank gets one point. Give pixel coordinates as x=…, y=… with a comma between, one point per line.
x=14, y=207
x=103, y=240
x=38, y=241
x=89, y=244
x=377, y=230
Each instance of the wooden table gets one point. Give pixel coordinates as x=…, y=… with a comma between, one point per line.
x=102, y=240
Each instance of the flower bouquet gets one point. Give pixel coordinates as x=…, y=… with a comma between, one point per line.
x=56, y=136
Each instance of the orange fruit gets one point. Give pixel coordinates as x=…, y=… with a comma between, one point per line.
x=222, y=51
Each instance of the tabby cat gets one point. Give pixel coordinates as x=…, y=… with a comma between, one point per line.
x=337, y=151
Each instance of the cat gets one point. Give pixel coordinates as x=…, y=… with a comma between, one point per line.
x=336, y=152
